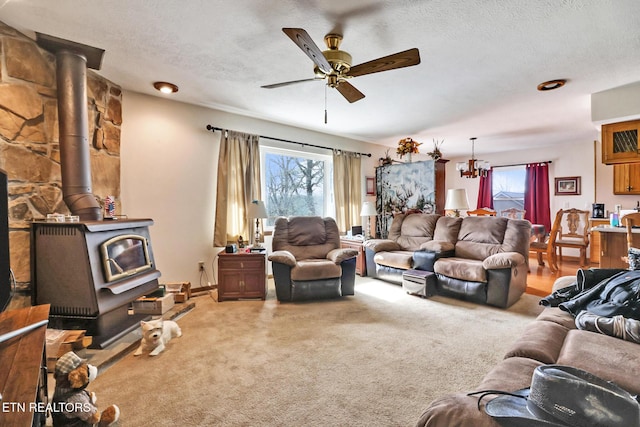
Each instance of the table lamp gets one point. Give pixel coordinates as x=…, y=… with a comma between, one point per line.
x=456, y=200
x=368, y=210
x=257, y=210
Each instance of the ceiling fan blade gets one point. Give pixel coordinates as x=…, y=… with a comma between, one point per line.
x=276, y=85
x=406, y=58
x=350, y=93
x=304, y=42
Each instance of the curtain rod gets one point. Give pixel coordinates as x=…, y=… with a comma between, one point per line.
x=213, y=129
x=521, y=164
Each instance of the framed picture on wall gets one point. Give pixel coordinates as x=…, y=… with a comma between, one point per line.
x=568, y=186
x=371, y=186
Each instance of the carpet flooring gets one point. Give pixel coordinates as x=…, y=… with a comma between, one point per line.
x=374, y=359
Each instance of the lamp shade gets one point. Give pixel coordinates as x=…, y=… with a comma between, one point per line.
x=456, y=199
x=368, y=209
x=257, y=209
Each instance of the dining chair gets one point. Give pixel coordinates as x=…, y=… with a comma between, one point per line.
x=513, y=213
x=570, y=230
x=482, y=212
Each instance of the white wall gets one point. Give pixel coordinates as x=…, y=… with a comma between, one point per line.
x=168, y=173
x=169, y=163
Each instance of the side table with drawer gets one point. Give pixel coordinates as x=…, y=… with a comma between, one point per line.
x=242, y=275
x=357, y=244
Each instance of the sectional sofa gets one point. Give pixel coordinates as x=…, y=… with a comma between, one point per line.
x=480, y=259
x=550, y=339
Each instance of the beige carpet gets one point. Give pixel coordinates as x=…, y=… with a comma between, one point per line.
x=374, y=359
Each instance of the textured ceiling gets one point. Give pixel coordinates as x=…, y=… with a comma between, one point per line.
x=481, y=61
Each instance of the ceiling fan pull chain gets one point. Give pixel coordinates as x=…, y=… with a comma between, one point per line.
x=325, y=104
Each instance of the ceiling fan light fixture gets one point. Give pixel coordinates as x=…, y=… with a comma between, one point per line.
x=335, y=64
x=551, y=85
x=165, y=87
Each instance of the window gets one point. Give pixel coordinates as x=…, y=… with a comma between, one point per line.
x=508, y=185
x=296, y=183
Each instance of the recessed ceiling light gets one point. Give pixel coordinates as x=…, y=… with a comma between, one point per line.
x=551, y=84
x=165, y=87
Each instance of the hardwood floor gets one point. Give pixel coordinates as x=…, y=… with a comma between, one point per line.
x=540, y=279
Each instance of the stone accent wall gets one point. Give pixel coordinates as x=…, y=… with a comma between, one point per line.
x=29, y=143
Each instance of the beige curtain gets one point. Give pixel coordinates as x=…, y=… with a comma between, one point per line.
x=347, y=183
x=238, y=185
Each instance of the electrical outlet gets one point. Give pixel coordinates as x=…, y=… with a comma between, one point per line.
x=200, y=265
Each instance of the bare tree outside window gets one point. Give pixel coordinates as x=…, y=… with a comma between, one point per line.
x=294, y=186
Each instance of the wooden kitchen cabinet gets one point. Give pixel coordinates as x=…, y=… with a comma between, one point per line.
x=594, y=239
x=626, y=178
x=620, y=142
x=242, y=275
x=613, y=246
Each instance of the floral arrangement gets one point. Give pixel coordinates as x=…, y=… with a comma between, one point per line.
x=407, y=146
x=386, y=160
x=436, y=154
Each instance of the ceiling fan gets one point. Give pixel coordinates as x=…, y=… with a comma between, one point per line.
x=334, y=64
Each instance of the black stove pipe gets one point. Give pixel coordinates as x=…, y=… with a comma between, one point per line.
x=75, y=163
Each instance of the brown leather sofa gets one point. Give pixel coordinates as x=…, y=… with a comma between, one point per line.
x=550, y=339
x=481, y=259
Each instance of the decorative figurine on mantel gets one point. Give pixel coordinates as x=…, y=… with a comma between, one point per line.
x=407, y=146
x=386, y=160
x=436, y=154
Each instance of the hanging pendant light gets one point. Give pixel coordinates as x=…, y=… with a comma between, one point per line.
x=473, y=168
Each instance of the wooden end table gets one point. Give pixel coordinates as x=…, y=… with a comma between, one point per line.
x=242, y=275
x=361, y=262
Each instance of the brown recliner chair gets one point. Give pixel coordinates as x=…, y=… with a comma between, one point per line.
x=308, y=262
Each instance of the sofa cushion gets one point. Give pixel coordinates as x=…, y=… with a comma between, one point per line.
x=305, y=237
x=411, y=230
x=541, y=341
x=315, y=269
x=480, y=237
x=447, y=229
x=607, y=357
x=460, y=268
x=396, y=259
x=306, y=231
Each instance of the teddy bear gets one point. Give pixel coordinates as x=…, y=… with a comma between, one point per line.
x=72, y=404
x=156, y=334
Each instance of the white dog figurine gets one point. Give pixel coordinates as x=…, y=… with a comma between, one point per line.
x=156, y=334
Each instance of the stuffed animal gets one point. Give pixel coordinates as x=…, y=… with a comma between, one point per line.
x=73, y=405
x=156, y=334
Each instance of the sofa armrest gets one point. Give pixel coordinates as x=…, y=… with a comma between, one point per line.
x=341, y=254
x=378, y=245
x=503, y=260
x=283, y=257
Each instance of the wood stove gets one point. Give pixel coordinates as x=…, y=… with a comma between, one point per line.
x=90, y=272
